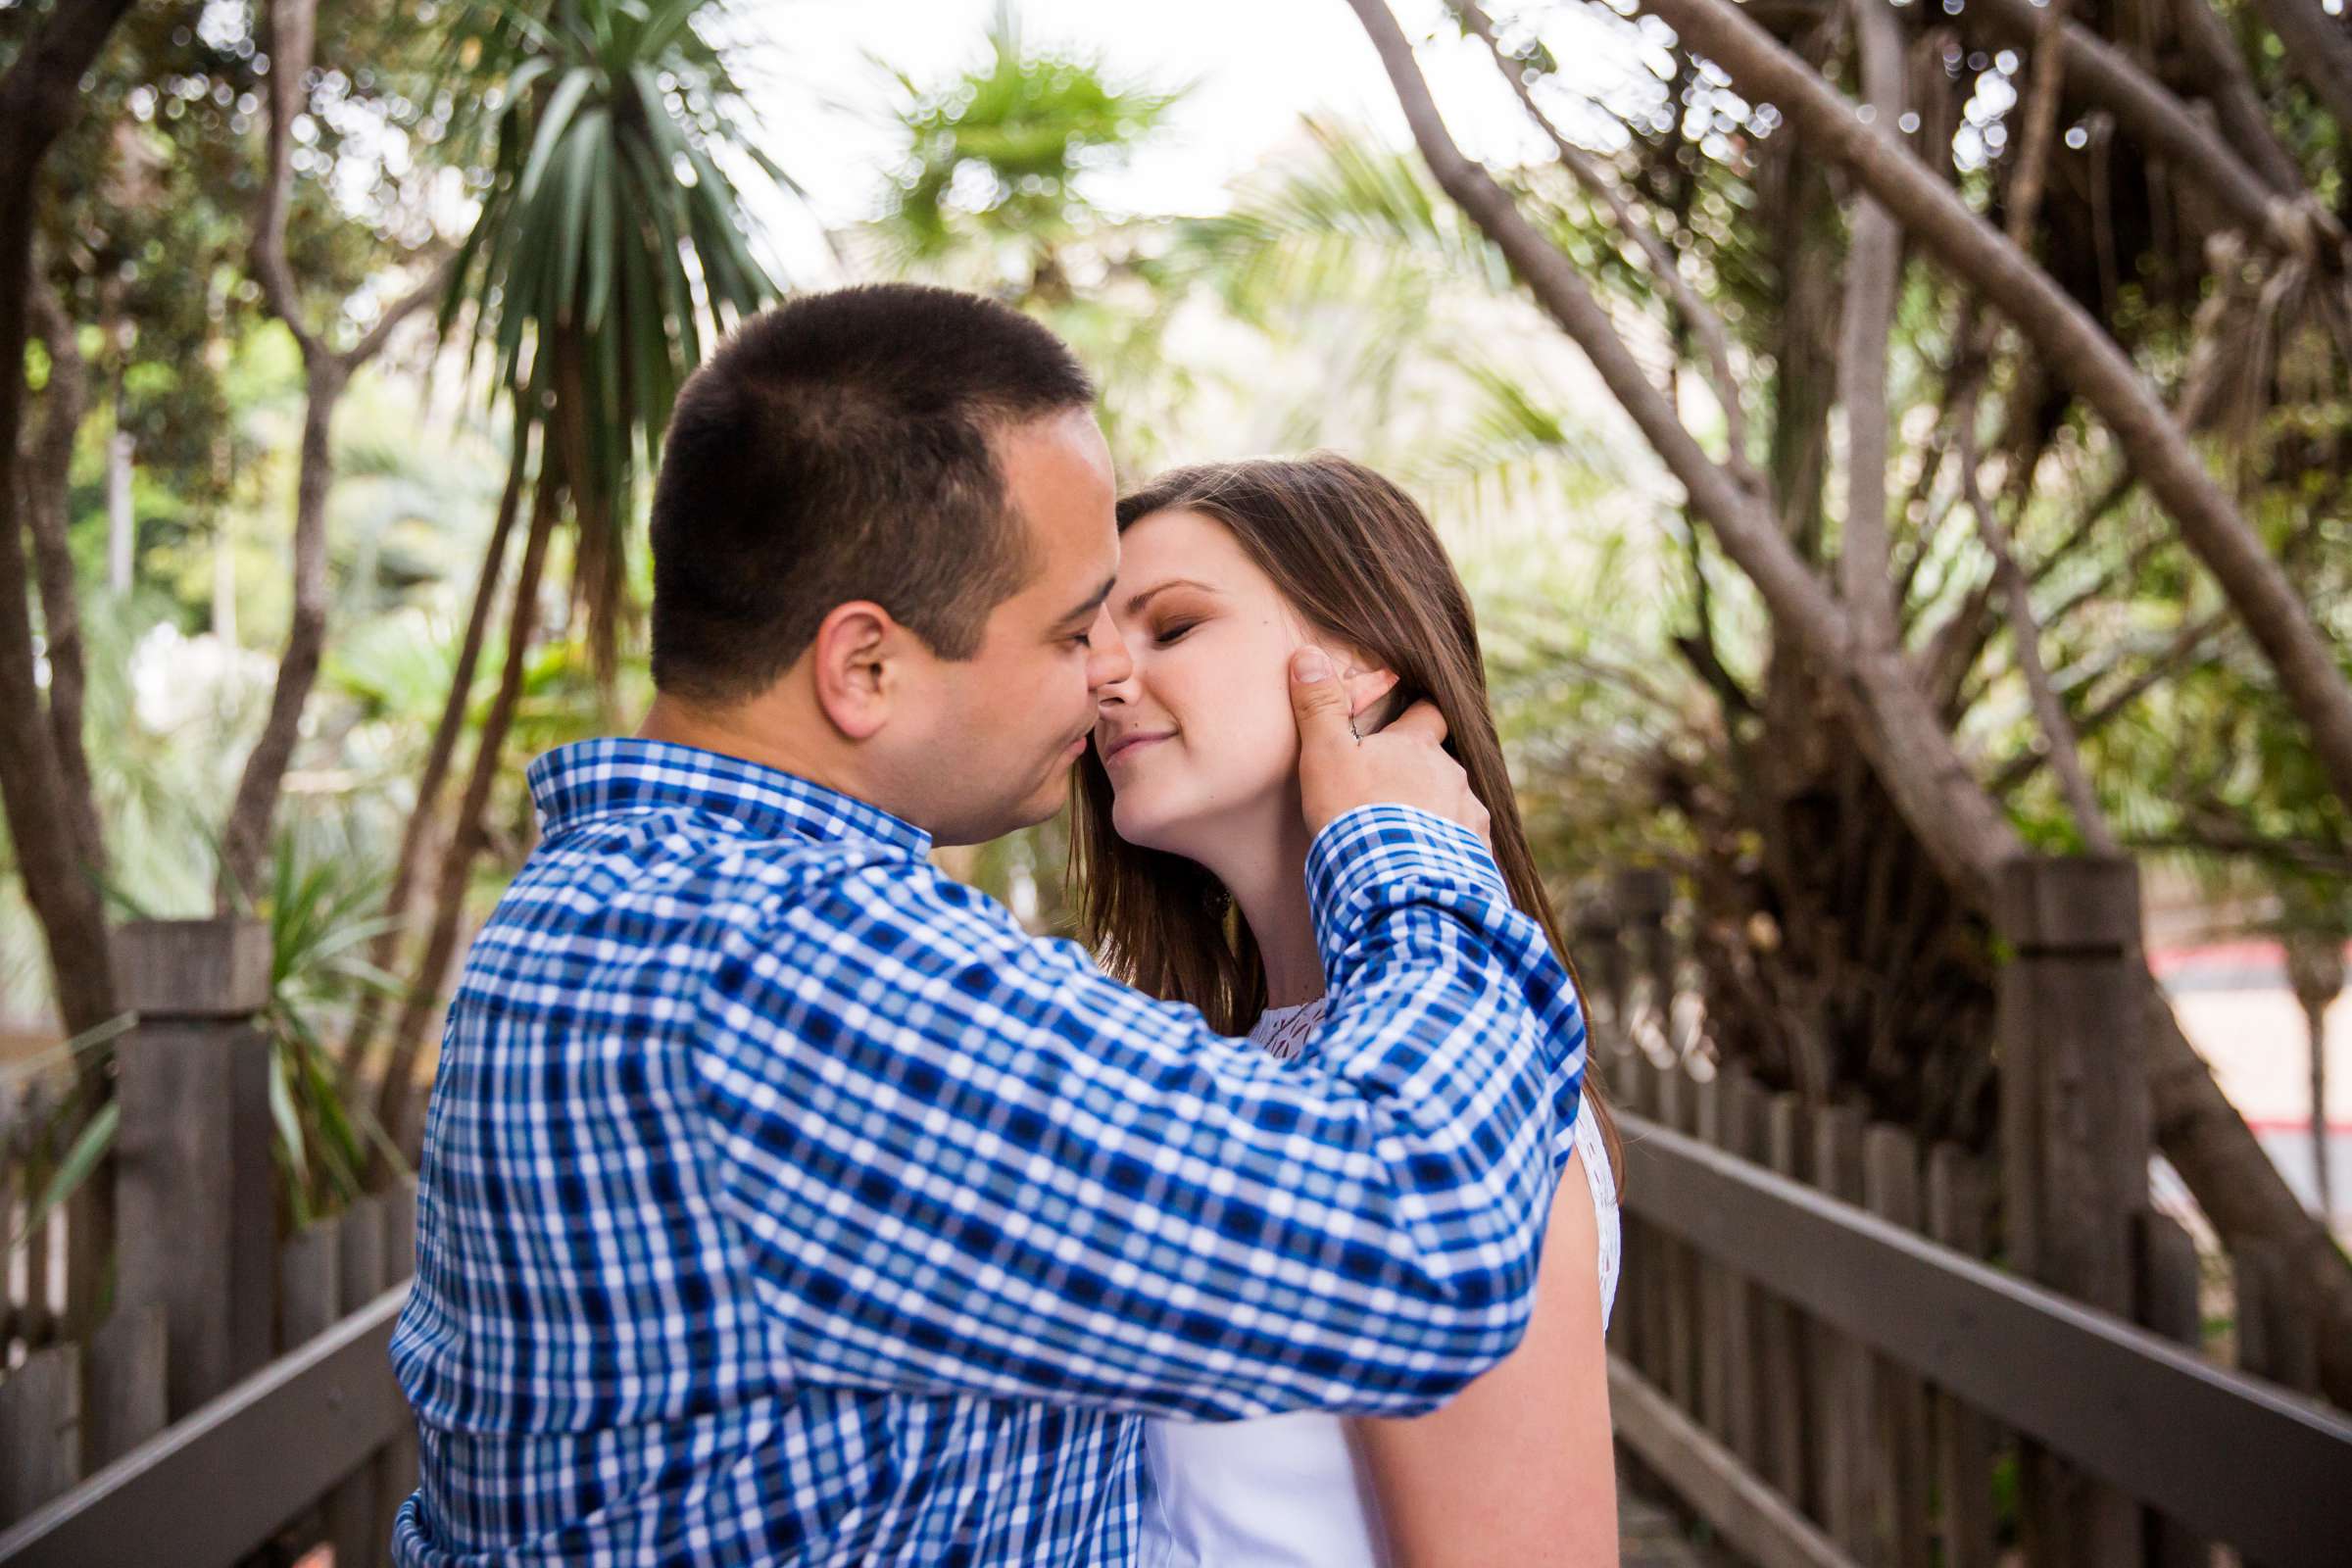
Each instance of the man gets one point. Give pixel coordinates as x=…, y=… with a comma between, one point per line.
x=782, y=1201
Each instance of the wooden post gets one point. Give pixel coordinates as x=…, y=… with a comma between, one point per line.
x=2274, y=1339
x=1964, y=1439
x=2075, y=1140
x=1791, y=1403
x=1678, y=1262
x=36, y=1323
x=1642, y=899
x=1602, y=962
x=127, y=1381
x=40, y=1431
x=2168, y=1279
x=1740, y=1113
x=195, y=1200
x=353, y=1510
x=1890, y=1190
x=1714, y=1281
x=1845, y=1436
x=1645, y=1245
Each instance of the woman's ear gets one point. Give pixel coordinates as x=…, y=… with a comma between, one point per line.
x=1371, y=688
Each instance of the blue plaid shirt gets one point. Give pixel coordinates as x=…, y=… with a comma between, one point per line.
x=783, y=1202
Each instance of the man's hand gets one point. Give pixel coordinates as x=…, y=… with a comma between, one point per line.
x=1406, y=764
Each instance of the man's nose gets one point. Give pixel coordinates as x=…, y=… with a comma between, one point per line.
x=1108, y=663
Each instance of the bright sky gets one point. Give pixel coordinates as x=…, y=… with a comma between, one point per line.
x=1257, y=67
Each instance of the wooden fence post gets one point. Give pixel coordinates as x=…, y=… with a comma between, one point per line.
x=197, y=1216
x=127, y=1374
x=1965, y=1439
x=1642, y=899
x=40, y=1430
x=1890, y=1190
x=1741, y=1115
x=353, y=1510
x=1600, y=963
x=2168, y=1279
x=1791, y=1404
x=1845, y=1438
x=2075, y=1140
x=1679, y=1262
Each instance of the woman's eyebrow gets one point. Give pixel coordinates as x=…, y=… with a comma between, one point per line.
x=1138, y=601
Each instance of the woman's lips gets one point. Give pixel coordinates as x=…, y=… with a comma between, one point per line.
x=1131, y=743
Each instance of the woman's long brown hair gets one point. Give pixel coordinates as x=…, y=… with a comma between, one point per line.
x=1359, y=561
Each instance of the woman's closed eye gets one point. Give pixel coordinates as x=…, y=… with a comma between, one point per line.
x=1172, y=632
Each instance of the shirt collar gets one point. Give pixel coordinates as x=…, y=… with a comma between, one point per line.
x=618, y=775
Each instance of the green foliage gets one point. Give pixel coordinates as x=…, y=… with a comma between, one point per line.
x=608, y=247
x=322, y=909
x=998, y=157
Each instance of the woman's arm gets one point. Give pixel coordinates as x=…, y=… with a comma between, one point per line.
x=1518, y=1468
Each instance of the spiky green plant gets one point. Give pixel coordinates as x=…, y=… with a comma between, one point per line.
x=610, y=247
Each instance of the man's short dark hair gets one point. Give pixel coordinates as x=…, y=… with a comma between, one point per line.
x=841, y=447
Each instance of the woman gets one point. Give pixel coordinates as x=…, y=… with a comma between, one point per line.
x=1189, y=855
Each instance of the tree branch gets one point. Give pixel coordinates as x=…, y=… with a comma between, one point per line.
x=2187, y=644
x=2074, y=347
x=2318, y=50
x=293, y=37
x=2246, y=122
x=245, y=837
x=1873, y=270
x=1962, y=829
x=2064, y=749
x=1663, y=266
x=2161, y=123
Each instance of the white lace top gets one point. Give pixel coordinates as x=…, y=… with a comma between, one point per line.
x=1285, y=1491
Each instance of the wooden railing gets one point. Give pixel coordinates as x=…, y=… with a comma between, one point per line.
x=205, y=1290
x=321, y=1431
x=1913, y=1369
x=1843, y=1346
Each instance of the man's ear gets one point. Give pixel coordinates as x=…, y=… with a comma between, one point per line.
x=851, y=662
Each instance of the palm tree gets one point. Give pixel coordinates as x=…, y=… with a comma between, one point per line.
x=608, y=251
x=991, y=193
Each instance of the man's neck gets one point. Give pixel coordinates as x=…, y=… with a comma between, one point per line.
x=747, y=732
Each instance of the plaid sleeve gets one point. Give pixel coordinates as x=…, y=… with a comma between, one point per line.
x=965, y=1161
x=1416, y=870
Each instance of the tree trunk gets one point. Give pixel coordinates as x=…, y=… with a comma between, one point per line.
x=384, y=951
x=1874, y=269
x=1901, y=737
x=47, y=479
x=392, y=1097
x=2314, y=965
x=245, y=841
x=38, y=98
x=2073, y=346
